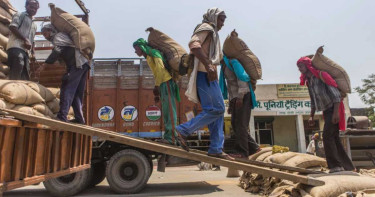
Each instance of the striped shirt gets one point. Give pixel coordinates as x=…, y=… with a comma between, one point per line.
x=27, y=29
x=322, y=95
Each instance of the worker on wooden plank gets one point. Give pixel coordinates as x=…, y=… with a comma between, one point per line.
x=74, y=80
x=237, y=83
x=203, y=84
x=326, y=97
x=165, y=87
x=21, y=41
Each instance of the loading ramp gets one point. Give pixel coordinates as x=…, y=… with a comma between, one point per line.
x=265, y=169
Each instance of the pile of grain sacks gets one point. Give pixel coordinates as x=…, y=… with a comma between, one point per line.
x=31, y=98
x=337, y=184
x=6, y=13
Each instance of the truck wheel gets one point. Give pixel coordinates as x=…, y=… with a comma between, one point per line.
x=68, y=185
x=128, y=172
x=97, y=173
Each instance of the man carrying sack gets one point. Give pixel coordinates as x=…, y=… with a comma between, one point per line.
x=326, y=97
x=164, y=86
x=74, y=80
x=242, y=101
x=21, y=38
x=203, y=84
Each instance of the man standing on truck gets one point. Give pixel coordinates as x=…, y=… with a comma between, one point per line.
x=241, y=101
x=203, y=84
x=21, y=41
x=326, y=97
x=165, y=87
x=74, y=80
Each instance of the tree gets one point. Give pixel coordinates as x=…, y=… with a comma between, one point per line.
x=367, y=94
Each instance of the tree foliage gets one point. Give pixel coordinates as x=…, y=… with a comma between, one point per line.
x=367, y=94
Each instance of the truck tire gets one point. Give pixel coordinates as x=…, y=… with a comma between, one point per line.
x=68, y=185
x=97, y=173
x=128, y=172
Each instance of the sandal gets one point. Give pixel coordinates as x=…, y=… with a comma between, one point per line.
x=182, y=141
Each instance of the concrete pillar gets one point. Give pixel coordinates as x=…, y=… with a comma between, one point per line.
x=300, y=134
x=252, y=127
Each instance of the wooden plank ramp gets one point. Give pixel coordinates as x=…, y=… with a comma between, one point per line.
x=170, y=150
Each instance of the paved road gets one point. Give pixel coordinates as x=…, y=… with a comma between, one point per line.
x=182, y=181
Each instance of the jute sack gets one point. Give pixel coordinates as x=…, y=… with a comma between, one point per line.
x=236, y=48
x=54, y=105
x=43, y=109
x=4, y=69
x=78, y=30
x=5, y=4
x=2, y=75
x=3, y=55
x=323, y=63
x=5, y=20
x=19, y=93
x=172, y=51
x=3, y=41
x=263, y=156
x=4, y=29
x=45, y=93
x=281, y=158
x=5, y=13
x=256, y=155
x=55, y=92
x=306, y=161
x=336, y=185
x=27, y=110
x=6, y=105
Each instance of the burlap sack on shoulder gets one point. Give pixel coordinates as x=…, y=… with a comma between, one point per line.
x=306, y=161
x=4, y=30
x=44, y=92
x=236, y=48
x=323, y=63
x=27, y=110
x=54, y=105
x=5, y=13
x=172, y=51
x=55, y=91
x=79, y=31
x=3, y=55
x=43, y=109
x=6, y=105
x=336, y=185
x=256, y=155
x=19, y=93
x=281, y=158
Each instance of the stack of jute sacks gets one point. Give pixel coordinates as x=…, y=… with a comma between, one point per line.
x=236, y=48
x=6, y=13
x=178, y=60
x=323, y=63
x=335, y=185
x=30, y=98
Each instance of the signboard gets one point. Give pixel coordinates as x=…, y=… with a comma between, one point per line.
x=292, y=91
x=153, y=113
x=284, y=107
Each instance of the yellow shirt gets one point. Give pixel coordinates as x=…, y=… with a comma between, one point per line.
x=160, y=72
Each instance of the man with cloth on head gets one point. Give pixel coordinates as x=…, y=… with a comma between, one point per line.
x=241, y=101
x=326, y=97
x=164, y=87
x=203, y=84
x=74, y=80
x=21, y=41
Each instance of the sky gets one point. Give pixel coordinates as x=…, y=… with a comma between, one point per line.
x=278, y=32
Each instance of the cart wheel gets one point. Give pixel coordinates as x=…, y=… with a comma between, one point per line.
x=97, y=173
x=128, y=172
x=68, y=185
